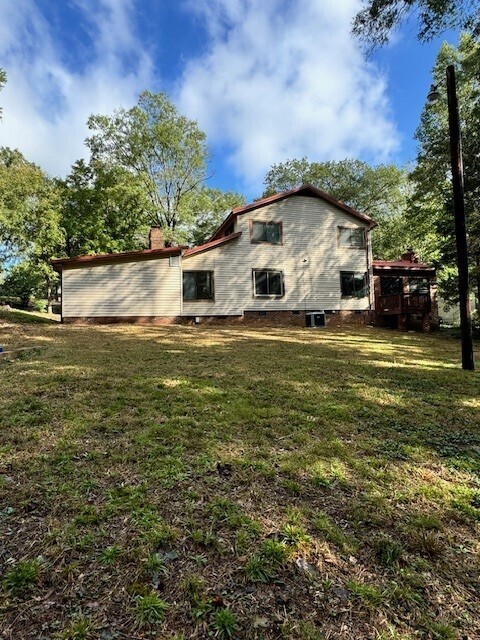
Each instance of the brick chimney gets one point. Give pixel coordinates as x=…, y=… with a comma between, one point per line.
x=155, y=238
x=410, y=256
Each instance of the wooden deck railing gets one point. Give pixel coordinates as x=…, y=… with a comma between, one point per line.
x=398, y=303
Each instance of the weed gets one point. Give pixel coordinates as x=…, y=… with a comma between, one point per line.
x=274, y=550
x=111, y=554
x=387, y=551
x=224, y=623
x=194, y=586
x=205, y=538
x=260, y=569
x=80, y=628
x=150, y=609
x=369, y=595
x=295, y=535
x=325, y=525
x=22, y=577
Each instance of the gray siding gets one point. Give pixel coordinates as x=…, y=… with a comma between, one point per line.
x=137, y=288
x=309, y=257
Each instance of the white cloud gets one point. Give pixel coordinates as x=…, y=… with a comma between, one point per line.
x=282, y=79
x=46, y=103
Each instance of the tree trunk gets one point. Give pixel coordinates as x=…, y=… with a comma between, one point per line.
x=49, y=297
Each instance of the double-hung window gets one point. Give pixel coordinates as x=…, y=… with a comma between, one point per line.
x=351, y=238
x=353, y=285
x=268, y=283
x=197, y=285
x=269, y=232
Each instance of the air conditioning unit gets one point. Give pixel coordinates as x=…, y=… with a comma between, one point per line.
x=316, y=319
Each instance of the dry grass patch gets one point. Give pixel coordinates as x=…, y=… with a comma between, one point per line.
x=192, y=482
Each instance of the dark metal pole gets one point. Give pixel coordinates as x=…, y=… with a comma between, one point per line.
x=460, y=227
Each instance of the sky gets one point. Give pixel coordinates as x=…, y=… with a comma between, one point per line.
x=266, y=80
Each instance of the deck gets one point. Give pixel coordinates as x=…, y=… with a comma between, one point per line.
x=404, y=303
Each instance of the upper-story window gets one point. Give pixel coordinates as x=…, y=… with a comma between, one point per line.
x=354, y=238
x=270, y=232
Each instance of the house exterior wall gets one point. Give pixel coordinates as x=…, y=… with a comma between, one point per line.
x=138, y=288
x=309, y=256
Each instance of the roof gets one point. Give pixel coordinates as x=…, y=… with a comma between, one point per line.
x=408, y=265
x=305, y=188
x=211, y=245
x=60, y=263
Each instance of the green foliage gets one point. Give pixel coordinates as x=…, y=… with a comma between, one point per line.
x=378, y=19
x=22, y=577
x=205, y=210
x=80, y=628
x=430, y=212
x=387, y=551
x=224, y=623
x=24, y=280
x=380, y=191
x=164, y=149
x=105, y=209
x=150, y=609
x=3, y=80
x=369, y=595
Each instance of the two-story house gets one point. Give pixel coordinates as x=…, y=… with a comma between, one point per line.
x=279, y=258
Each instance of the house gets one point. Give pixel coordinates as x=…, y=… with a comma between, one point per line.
x=405, y=294
x=274, y=259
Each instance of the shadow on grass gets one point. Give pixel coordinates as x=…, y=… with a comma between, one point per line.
x=18, y=316
x=365, y=439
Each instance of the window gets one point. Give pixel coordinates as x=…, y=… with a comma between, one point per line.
x=390, y=285
x=353, y=238
x=270, y=232
x=419, y=285
x=198, y=285
x=268, y=283
x=353, y=285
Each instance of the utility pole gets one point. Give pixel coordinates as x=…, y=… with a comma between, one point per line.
x=460, y=227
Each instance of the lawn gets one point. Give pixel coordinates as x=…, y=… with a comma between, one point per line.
x=234, y=482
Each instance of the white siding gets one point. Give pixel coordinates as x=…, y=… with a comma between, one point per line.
x=138, y=288
x=309, y=257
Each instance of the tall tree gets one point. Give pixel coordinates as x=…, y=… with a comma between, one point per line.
x=208, y=207
x=378, y=19
x=431, y=204
x=3, y=80
x=29, y=214
x=105, y=209
x=380, y=191
x=166, y=150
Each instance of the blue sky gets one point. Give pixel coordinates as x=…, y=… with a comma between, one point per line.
x=267, y=80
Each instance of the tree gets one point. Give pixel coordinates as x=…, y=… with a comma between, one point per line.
x=105, y=209
x=375, y=23
x=208, y=208
x=164, y=149
x=380, y=191
x=25, y=280
x=3, y=80
x=431, y=204
x=29, y=214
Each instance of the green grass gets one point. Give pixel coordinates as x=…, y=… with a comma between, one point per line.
x=237, y=482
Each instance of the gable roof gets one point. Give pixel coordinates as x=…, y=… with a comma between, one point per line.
x=212, y=244
x=306, y=189
x=60, y=263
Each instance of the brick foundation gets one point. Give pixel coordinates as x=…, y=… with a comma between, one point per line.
x=283, y=318
x=267, y=318
x=123, y=320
